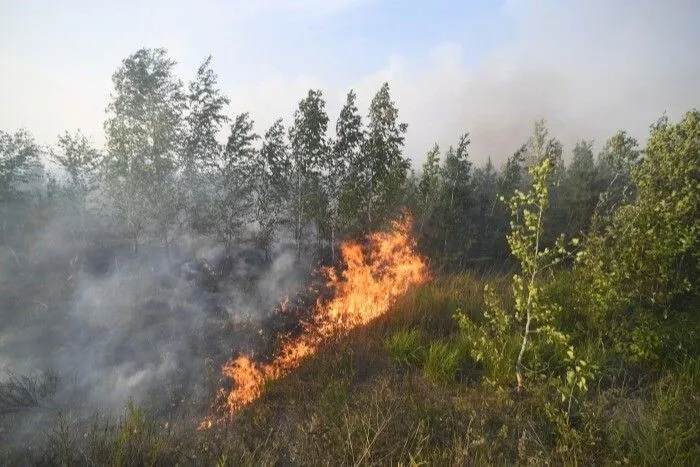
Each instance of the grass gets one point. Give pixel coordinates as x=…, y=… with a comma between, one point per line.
x=406, y=391
x=665, y=428
x=442, y=362
x=405, y=347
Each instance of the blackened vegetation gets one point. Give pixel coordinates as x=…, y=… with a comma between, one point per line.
x=294, y=312
x=86, y=330
x=26, y=392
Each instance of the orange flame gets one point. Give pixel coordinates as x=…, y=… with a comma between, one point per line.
x=363, y=291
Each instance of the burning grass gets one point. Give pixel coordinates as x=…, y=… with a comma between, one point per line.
x=375, y=275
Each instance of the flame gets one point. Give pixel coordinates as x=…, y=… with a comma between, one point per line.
x=364, y=291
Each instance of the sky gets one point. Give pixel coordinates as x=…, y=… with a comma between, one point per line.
x=487, y=67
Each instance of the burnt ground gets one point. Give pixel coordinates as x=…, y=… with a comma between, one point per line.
x=109, y=327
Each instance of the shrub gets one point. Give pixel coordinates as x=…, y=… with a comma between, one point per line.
x=640, y=266
x=486, y=346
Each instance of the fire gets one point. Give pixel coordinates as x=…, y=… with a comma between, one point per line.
x=365, y=290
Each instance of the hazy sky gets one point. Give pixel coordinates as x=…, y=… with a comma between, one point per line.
x=487, y=67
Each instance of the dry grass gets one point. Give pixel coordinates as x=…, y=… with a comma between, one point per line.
x=390, y=394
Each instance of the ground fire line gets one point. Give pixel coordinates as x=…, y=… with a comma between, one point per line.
x=374, y=277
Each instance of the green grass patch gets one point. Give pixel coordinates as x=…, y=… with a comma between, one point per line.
x=405, y=347
x=442, y=362
x=661, y=429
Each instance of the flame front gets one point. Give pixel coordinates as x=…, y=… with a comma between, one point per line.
x=364, y=291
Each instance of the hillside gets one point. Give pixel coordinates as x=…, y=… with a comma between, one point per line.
x=405, y=390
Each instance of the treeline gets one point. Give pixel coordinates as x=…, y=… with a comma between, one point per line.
x=164, y=172
x=463, y=220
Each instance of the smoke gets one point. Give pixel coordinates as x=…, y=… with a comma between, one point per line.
x=588, y=68
x=115, y=327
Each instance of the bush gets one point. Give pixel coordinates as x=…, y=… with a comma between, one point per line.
x=640, y=267
x=492, y=350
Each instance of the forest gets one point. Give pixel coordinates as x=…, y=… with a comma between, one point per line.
x=204, y=291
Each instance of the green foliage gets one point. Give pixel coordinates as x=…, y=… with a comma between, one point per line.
x=511, y=176
x=579, y=189
x=429, y=185
x=233, y=194
x=529, y=335
x=19, y=161
x=381, y=170
x=532, y=311
x=442, y=201
x=432, y=306
x=491, y=344
x=620, y=154
x=271, y=184
x=201, y=149
x=614, y=168
x=429, y=209
x=455, y=204
x=80, y=161
x=309, y=155
x=349, y=403
x=490, y=223
x=405, y=347
x=608, y=351
x=138, y=440
x=143, y=131
x=641, y=267
x=78, y=158
x=343, y=190
x=204, y=120
x=541, y=147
